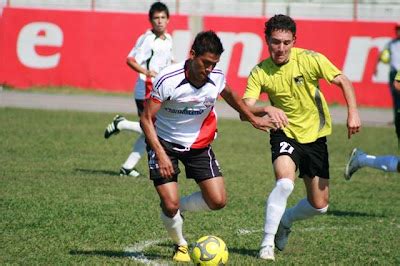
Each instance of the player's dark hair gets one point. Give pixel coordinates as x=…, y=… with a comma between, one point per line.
x=158, y=7
x=207, y=41
x=279, y=22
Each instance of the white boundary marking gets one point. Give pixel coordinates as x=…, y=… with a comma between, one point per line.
x=135, y=251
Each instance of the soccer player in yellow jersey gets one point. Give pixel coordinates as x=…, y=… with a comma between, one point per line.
x=290, y=78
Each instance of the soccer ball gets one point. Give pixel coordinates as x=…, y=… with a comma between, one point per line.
x=210, y=250
x=385, y=56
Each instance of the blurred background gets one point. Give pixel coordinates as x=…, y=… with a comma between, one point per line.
x=382, y=10
x=84, y=43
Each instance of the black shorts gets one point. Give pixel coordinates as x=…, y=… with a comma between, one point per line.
x=200, y=164
x=139, y=106
x=311, y=158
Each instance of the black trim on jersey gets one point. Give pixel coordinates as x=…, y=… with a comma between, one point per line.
x=183, y=82
x=186, y=81
x=320, y=109
x=148, y=60
x=168, y=75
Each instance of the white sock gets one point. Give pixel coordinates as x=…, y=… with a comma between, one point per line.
x=193, y=203
x=130, y=125
x=138, y=149
x=174, y=228
x=275, y=208
x=303, y=210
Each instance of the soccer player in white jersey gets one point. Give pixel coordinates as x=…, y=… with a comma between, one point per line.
x=152, y=52
x=179, y=122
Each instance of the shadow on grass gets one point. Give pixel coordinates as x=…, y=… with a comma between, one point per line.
x=244, y=252
x=118, y=254
x=352, y=214
x=96, y=172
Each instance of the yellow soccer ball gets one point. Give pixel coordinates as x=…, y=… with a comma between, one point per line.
x=210, y=250
x=385, y=56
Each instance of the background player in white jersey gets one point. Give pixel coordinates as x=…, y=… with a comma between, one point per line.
x=151, y=53
x=180, y=122
x=391, y=55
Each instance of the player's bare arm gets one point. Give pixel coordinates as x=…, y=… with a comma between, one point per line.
x=278, y=117
x=262, y=123
x=256, y=110
x=396, y=85
x=138, y=68
x=146, y=121
x=353, y=118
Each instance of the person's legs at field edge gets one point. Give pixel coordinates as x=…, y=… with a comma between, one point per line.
x=396, y=104
x=285, y=174
x=397, y=122
x=211, y=197
x=120, y=123
x=388, y=163
x=138, y=149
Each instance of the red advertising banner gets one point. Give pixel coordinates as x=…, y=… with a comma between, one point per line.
x=89, y=49
x=82, y=49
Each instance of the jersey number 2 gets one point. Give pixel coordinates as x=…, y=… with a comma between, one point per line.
x=285, y=147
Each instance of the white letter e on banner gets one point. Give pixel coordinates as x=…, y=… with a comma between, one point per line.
x=39, y=34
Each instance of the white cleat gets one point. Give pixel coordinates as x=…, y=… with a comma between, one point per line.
x=128, y=172
x=267, y=253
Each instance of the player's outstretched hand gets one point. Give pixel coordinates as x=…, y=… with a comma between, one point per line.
x=264, y=123
x=353, y=123
x=278, y=116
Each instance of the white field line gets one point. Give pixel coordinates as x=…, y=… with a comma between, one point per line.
x=135, y=251
x=243, y=231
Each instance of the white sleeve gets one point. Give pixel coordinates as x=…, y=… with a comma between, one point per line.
x=142, y=50
x=160, y=89
x=223, y=83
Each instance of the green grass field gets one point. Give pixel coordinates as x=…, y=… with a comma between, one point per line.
x=62, y=201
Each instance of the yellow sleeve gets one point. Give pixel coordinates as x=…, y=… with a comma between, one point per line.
x=323, y=68
x=253, y=89
x=397, y=76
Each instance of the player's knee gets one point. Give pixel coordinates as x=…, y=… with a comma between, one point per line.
x=170, y=209
x=285, y=185
x=217, y=203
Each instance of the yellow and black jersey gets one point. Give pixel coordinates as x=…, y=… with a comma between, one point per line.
x=294, y=88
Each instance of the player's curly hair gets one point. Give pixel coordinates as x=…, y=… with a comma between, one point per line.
x=279, y=22
x=207, y=41
x=158, y=7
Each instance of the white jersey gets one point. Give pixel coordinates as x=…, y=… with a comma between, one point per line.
x=394, y=50
x=152, y=53
x=187, y=116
